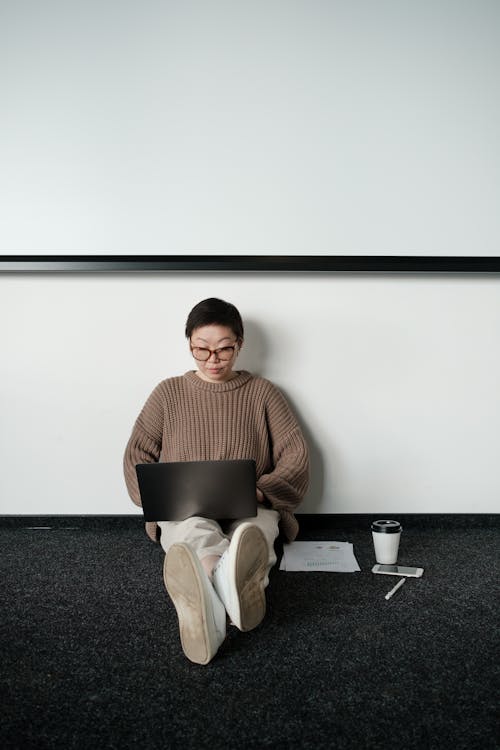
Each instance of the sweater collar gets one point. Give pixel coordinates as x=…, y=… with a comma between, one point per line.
x=229, y=385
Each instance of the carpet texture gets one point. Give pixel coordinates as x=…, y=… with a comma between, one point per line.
x=91, y=656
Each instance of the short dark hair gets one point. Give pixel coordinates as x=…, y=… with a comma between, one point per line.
x=214, y=311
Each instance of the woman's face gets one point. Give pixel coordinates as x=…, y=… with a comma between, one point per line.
x=215, y=341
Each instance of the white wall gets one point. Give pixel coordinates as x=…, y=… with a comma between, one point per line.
x=395, y=380
x=265, y=126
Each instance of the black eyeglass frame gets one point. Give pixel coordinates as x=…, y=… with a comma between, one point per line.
x=213, y=351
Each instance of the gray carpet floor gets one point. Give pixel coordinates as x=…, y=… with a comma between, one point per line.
x=91, y=656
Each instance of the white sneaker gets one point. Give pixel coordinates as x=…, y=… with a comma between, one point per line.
x=202, y=617
x=239, y=577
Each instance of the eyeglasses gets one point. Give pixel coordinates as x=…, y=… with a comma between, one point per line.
x=224, y=353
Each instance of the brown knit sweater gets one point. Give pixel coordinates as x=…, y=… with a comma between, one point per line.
x=189, y=419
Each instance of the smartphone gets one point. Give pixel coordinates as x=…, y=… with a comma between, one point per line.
x=397, y=570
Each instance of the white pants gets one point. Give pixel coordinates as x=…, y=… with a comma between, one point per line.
x=208, y=537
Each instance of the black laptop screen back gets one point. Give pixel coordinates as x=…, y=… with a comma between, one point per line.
x=220, y=490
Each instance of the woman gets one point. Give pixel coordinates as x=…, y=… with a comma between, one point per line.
x=218, y=413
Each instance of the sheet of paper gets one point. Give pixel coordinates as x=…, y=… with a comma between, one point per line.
x=335, y=557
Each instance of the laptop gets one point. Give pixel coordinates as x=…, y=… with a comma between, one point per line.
x=221, y=490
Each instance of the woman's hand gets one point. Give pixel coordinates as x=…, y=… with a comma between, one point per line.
x=260, y=496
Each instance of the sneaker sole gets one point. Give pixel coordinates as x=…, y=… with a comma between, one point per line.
x=184, y=585
x=250, y=568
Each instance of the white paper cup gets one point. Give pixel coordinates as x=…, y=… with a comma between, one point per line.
x=386, y=535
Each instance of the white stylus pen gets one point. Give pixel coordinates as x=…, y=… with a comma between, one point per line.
x=396, y=587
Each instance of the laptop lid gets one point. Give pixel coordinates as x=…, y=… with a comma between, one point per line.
x=176, y=490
